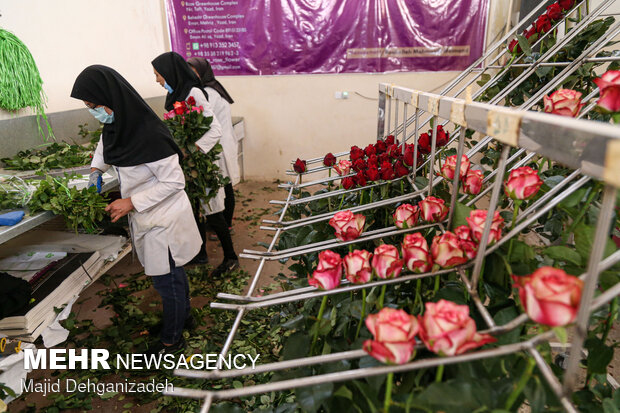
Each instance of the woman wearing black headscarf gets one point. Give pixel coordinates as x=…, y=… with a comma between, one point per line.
x=174, y=74
x=141, y=149
x=220, y=99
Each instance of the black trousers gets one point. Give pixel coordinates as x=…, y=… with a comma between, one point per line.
x=218, y=223
x=229, y=204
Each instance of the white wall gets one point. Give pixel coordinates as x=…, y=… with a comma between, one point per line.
x=286, y=116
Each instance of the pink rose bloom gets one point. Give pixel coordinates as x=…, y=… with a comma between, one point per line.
x=609, y=85
x=433, y=209
x=357, y=267
x=394, y=334
x=522, y=183
x=198, y=109
x=446, y=251
x=343, y=167
x=169, y=115
x=348, y=226
x=448, y=168
x=472, y=184
x=406, y=216
x=386, y=262
x=466, y=241
x=328, y=273
x=416, y=253
x=550, y=296
x=564, y=102
x=447, y=329
x=476, y=220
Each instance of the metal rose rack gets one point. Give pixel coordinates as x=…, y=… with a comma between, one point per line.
x=591, y=149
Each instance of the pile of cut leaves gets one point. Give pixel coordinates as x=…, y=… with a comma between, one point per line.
x=53, y=156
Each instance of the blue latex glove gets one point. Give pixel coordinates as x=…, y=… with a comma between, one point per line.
x=96, y=179
x=11, y=218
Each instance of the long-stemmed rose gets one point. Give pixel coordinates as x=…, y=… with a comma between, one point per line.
x=416, y=253
x=550, y=296
x=447, y=329
x=326, y=277
x=329, y=160
x=406, y=216
x=446, y=251
x=358, y=270
x=564, y=102
x=394, y=341
x=386, y=264
x=433, y=209
x=348, y=226
x=476, y=220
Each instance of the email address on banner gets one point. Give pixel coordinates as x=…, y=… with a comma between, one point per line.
x=378, y=52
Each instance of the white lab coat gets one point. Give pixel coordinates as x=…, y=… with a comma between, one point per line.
x=228, y=141
x=206, y=143
x=162, y=219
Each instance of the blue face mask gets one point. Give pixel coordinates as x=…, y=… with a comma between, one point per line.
x=101, y=115
x=168, y=87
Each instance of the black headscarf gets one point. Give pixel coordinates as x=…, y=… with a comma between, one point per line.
x=177, y=73
x=207, y=78
x=137, y=135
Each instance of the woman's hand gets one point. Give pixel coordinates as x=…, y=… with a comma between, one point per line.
x=119, y=208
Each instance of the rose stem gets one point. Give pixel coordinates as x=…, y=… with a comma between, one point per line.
x=319, y=317
x=388, y=393
x=521, y=384
x=359, y=326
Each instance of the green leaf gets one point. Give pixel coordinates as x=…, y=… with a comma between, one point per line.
x=562, y=253
x=310, y=398
x=521, y=252
x=461, y=211
x=343, y=391
x=525, y=45
x=297, y=345
x=610, y=407
x=574, y=198
x=599, y=355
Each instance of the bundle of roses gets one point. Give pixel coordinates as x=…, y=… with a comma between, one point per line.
x=202, y=173
x=542, y=24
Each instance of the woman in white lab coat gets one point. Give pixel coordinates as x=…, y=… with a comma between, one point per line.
x=140, y=148
x=176, y=76
x=220, y=100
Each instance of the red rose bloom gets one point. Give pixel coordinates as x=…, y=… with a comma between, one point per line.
x=299, y=166
x=387, y=174
x=531, y=32
x=370, y=150
x=380, y=147
x=179, y=108
x=543, y=24
x=356, y=153
x=372, y=174
x=394, y=151
x=348, y=183
x=329, y=160
x=389, y=140
x=554, y=12
x=514, y=44
x=191, y=101
x=373, y=160
x=400, y=169
x=384, y=157
x=442, y=137
x=566, y=4
x=359, y=165
x=424, y=143
x=360, y=179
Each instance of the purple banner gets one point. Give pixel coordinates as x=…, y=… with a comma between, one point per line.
x=269, y=37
